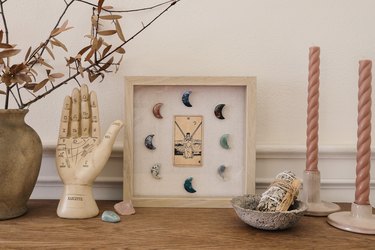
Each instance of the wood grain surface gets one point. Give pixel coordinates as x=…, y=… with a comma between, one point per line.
x=168, y=228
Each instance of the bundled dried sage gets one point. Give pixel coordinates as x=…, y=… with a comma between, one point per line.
x=281, y=193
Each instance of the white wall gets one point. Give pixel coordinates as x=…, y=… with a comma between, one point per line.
x=268, y=39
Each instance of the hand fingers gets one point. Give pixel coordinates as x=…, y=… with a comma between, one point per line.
x=85, y=111
x=75, y=114
x=104, y=149
x=65, y=116
x=95, y=128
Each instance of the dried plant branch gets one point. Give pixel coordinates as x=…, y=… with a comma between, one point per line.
x=46, y=42
x=94, y=60
x=8, y=89
x=130, y=10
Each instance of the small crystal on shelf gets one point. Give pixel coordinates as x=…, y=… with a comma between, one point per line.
x=110, y=216
x=124, y=208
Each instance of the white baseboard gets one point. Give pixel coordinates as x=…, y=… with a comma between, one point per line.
x=336, y=164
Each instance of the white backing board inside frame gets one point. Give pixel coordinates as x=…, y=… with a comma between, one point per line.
x=238, y=95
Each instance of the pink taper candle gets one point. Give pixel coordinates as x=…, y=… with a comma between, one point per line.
x=362, y=184
x=313, y=110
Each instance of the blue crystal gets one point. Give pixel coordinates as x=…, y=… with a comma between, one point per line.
x=110, y=216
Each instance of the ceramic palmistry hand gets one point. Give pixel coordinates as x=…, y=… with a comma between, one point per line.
x=81, y=154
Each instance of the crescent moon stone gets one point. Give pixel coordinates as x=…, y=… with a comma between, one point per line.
x=221, y=171
x=156, y=110
x=185, y=98
x=188, y=185
x=219, y=111
x=155, y=171
x=148, y=142
x=224, y=141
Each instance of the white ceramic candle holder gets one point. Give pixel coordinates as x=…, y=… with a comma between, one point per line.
x=359, y=220
x=311, y=191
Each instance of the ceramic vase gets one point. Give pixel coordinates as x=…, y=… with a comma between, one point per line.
x=20, y=160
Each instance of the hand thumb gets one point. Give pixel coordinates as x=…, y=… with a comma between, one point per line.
x=103, y=151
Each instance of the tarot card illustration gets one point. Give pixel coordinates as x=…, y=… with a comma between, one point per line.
x=188, y=140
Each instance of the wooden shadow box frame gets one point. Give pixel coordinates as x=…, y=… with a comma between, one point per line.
x=239, y=96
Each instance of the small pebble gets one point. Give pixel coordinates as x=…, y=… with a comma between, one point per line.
x=110, y=216
x=124, y=208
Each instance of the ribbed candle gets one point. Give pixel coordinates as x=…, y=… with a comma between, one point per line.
x=313, y=110
x=362, y=184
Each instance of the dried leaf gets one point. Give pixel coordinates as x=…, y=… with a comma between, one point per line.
x=105, y=44
x=58, y=30
x=100, y=4
x=94, y=21
x=57, y=43
x=105, y=50
x=102, y=75
x=94, y=43
x=82, y=51
x=6, y=78
x=9, y=53
x=91, y=76
x=119, y=61
x=33, y=71
x=17, y=68
x=90, y=61
x=68, y=28
x=110, y=17
x=50, y=52
x=28, y=53
x=30, y=86
x=41, y=61
x=40, y=85
x=32, y=62
x=23, y=78
x=89, y=55
x=64, y=25
x=120, y=50
x=89, y=36
x=69, y=61
x=33, y=76
x=119, y=31
x=80, y=69
x=94, y=18
x=100, y=43
x=1, y=35
x=108, y=7
x=55, y=32
x=107, y=64
x=2, y=92
x=97, y=43
x=5, y=46
x=56, y=75
x=51, y=79
x=107, y=32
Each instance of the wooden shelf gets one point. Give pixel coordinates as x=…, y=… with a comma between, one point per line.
x=171, y=228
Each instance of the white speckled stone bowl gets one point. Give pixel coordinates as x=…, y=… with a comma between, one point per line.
x=245, y=208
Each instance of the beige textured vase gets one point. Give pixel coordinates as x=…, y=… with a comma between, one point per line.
x=20, y=159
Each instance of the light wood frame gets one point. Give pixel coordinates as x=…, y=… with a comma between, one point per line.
x=249, y=84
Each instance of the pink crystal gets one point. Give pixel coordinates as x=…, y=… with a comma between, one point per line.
x=124, y=208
